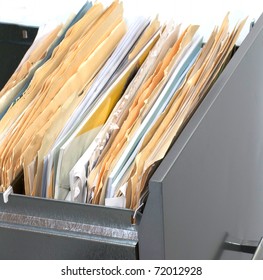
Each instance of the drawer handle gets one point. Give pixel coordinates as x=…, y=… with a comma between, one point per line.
x=244, y=246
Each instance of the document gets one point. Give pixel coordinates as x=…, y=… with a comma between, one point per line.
x=127, y=155
x=115, y=120
x=76, y=145
x=180, y=109
x=102, y=171
x=105, y=76
x=87, y=70
x=97, y=148
x=38, y=116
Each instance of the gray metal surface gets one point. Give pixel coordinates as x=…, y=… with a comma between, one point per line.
x=32, y=228
x=151, y=228
x=211, y=181
x=244, y=246
x=259, y=251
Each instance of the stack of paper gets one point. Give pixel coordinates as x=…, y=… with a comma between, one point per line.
x=76, y=140
x=57, y=87
x=196, y=84
x=96, y=103
x=147, y=105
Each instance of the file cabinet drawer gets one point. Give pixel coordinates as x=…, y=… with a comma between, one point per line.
x=208, y=185
x=33, y=228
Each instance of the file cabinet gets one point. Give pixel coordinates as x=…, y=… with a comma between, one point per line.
x=209, y=187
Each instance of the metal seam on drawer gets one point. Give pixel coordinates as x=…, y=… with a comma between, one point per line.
x=59, y=225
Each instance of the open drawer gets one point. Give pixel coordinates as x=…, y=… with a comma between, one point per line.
x=209, y=185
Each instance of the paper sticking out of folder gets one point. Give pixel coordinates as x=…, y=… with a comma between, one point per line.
x=96, y=103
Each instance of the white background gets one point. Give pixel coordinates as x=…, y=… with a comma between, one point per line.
x=216, y=270
x=206, y=13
